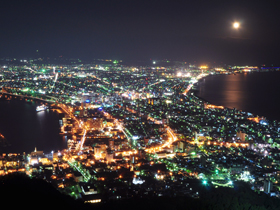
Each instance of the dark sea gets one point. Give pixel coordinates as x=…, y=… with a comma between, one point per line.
x=25, y=129
x=254, y=92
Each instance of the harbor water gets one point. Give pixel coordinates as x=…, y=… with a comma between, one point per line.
x=254, y=92
x=25, y=128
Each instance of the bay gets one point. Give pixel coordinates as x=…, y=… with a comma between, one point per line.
x=25, y=129
x=254, y=92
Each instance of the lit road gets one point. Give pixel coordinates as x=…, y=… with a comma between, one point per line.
x=141, y=90
x=191, y=85
x=80, y=123
x=86, y=175
x=168, y=143
x=23, y=96
x=172, y=139
x=83, y=139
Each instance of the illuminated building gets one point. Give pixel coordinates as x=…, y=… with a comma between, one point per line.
x=33, y=160
x=88, y=190
x=153, y=101
x=267, y=186
x=242, y=136
x=35, y=156
x=92, y=199
x=97, y=123
x=37, y=153
x=97, y=152
x=137, y=180
x=2, y=172
x=100, y=151
x=78, y=177
x=111, y=144
x=109, y=156
x=45, y=161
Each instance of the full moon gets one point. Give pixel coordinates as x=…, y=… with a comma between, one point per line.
x=236, y=25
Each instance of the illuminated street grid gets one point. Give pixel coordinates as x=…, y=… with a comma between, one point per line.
x=142, y=129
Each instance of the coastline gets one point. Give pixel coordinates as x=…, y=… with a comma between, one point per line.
x=203, y=99
x=195, y=92
x=38, y=129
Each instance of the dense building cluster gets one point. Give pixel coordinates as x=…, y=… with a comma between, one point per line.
x=140, y=131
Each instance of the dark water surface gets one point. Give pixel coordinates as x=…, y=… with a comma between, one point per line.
x=254, y=92
x=25, y=129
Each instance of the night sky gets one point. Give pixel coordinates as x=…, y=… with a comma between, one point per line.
x=198, y=31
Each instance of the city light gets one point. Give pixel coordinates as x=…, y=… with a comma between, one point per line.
x=140, y=122
x=179, y=74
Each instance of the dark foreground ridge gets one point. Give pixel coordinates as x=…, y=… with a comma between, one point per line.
x=19, y=192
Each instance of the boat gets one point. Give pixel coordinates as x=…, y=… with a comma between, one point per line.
x=41, y=108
